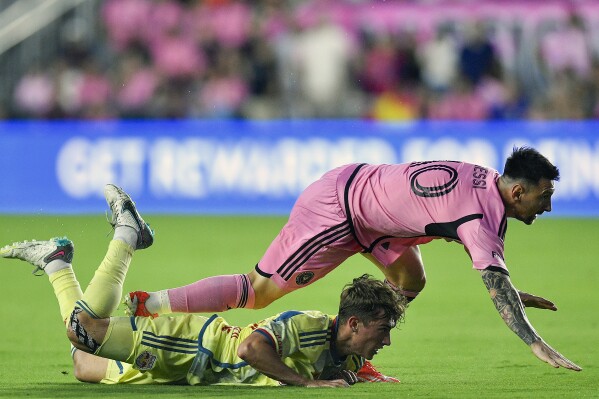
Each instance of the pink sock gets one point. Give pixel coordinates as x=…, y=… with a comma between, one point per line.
x=213, y=294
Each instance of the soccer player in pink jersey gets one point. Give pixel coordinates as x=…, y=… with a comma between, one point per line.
x=385, y=212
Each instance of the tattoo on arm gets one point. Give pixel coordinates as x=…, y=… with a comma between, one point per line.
x=507, y=301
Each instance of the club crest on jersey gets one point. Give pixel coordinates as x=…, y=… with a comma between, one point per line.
x=145, y=361
x=304, y=278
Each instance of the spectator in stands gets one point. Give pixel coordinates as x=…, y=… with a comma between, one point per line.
x=35, y=94
x=477, y=55
x=166, y=59
x=439, y=60
x=323, y=57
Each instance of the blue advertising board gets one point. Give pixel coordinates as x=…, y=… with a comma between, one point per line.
x=255, y=167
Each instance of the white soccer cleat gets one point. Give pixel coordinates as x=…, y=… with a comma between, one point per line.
x=40, y=253
x=124, y=213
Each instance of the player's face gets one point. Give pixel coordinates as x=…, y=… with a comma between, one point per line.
x=371, y=338
x=534, y=200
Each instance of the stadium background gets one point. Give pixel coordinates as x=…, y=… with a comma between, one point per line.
x=215, y=114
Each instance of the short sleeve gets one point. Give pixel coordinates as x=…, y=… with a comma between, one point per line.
x=484, y=246
x=283, y=332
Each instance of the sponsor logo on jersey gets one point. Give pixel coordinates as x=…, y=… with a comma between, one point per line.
x=145, y=361
x=304, y=278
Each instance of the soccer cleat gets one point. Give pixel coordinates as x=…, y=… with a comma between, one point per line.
x=124, y=213
x=370, y=374
x=135, y=304
x=40, y=253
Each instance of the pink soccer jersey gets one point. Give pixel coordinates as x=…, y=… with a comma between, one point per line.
x=383, y=210
x=396, y=206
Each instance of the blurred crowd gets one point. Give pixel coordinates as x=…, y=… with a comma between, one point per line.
x=384, y=60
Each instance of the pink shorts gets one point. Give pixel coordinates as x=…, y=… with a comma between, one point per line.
x=318, y=236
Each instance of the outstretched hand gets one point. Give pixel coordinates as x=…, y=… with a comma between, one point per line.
x=551, y=356
x=533, y=301
x=340, y=383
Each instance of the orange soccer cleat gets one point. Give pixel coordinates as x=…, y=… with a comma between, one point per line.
x=370, y=374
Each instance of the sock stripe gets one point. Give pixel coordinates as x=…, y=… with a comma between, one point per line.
x=244, y=291
x=83, y=305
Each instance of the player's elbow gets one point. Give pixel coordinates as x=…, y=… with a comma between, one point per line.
x=245, y=351
x=249, y=350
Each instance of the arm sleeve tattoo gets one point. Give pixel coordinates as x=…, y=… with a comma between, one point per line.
x=508, y=304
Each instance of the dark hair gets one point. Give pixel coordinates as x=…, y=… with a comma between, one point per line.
x=370, y=299
x=528, y=164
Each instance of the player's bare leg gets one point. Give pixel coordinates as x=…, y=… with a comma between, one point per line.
x=88, y=367
x=110, y=338
x=266, y=291
x=85, y=332
x=405, y=274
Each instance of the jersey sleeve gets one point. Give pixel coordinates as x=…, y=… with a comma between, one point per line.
x=283, y=333
x=484, y=246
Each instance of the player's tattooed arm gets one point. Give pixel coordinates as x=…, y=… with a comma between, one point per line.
x=508, y=304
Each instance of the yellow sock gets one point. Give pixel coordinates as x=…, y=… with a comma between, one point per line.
x=67, y=290
x=103, y=294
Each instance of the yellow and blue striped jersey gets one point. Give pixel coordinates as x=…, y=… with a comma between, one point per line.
x=304, y=340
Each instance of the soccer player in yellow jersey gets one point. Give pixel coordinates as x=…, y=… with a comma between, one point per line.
x=307, y=348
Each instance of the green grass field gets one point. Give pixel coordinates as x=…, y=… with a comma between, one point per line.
x=453, y=343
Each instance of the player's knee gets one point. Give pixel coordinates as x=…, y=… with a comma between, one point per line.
x=79, y=370
x=414, y=280
x=88, y=368
x=77, y=331
x=420, y=283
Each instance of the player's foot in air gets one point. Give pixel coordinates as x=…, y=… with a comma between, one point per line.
x=124, y=213
x=368, y=373
x=40, y=253
x=135, y=304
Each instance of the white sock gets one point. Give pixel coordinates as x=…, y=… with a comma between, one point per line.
x=158, y=302
x=126, y=234
x=56, y=265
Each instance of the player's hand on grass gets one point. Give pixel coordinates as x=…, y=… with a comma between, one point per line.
x=349, y=376
x=551, y=356
x=340, y=383
x=533, y=301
